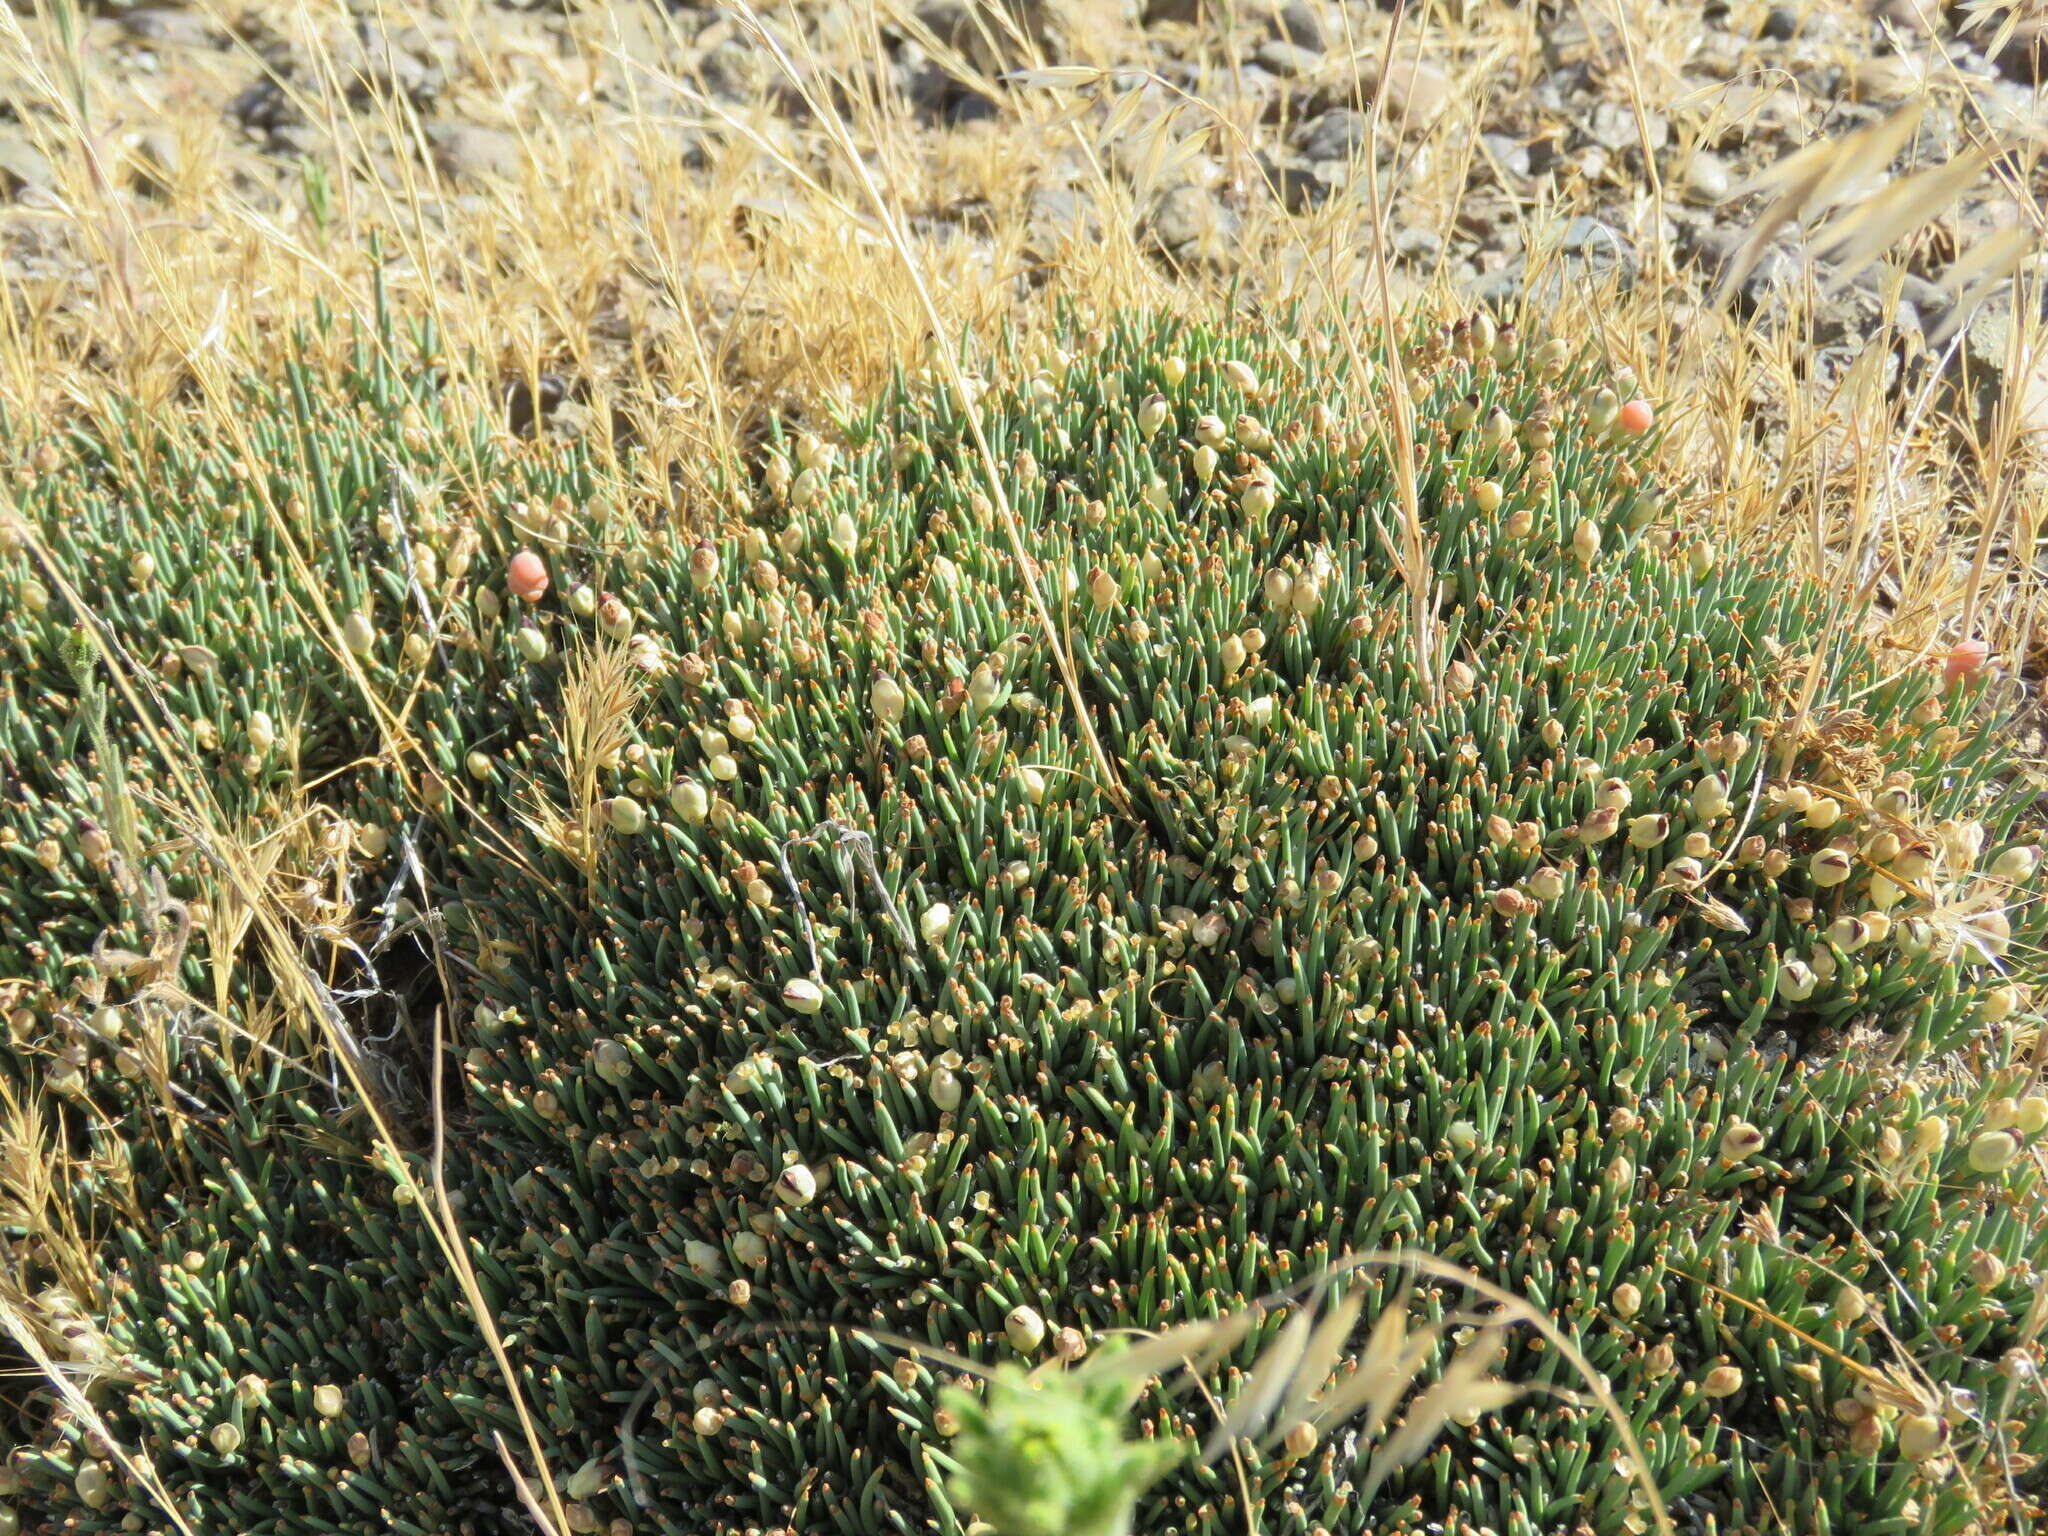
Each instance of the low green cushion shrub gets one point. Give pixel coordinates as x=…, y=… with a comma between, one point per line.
x=1641, y=938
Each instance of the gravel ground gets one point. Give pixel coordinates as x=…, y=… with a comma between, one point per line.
x=1716, y=92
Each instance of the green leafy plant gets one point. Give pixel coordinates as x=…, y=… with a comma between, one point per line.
x=1095, y=841
x=1049, y=1456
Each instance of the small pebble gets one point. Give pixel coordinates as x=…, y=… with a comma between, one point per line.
x=1707, y=178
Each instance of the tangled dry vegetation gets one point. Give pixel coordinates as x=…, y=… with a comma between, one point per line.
x=660, y=257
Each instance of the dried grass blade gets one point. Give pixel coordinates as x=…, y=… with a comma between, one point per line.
x=2035, y=1323
x=1268, y=1383
x=1802, y=169
x=1879, y=222
x=1058, y=77
x=600, y=694
x=1866, y=152
x=1155, y=146
x=1467, y=1387
x=1178, y=157
x=33, y=1167
x=949, y=57
x=1811, y=179
x=135, y=1463
x=2011, y=17
x=1325, y=1345
x=1025, y=567
x=1122, y=115
x=1964, y=310
x=1385, y=1371
x=1993, y=258
x=1720, y=914
x=538, y=1515
x=1195, y=1344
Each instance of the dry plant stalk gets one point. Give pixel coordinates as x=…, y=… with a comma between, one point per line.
x=32, y=1172
x=1399, y=413
x=601, y=693
x=1388, y=390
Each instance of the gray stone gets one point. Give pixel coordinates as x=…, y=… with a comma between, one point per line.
x=1977, y=373
x=1512, y=154
x=1987, y=335
x=735, y=70
x=1299, y=186
x=1776, y=269
x=1588, y=251
x=1190, y=224
x=1707, y=179
x=1565, y=38
x=1713, y=246
x=941, y=97
x=1300, y=25
x=1855, y=313
x=1598, y=246
x=991, y=42
x=376, y=65
x=22, y=165
x=1503, y=235
x=1253, y=82
x=1057, y=214
x=265, y=106
x=923, y=83
x=1417, y=94
x=302, y=139
x=2031, y=410
x=168, y=27
x=1929, y=298
x=1588, y=166
x=1614, y=128
x=1558, y=278
x=1290, y=61
x=1416, y=243
x=1913, y=17
x=154, y=164
x=1336, y=135
x=468, y=152
x=1500, y=286
x=1782, y=24
x=2024, y=58
x=1716, y=58
x=2012, y=108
